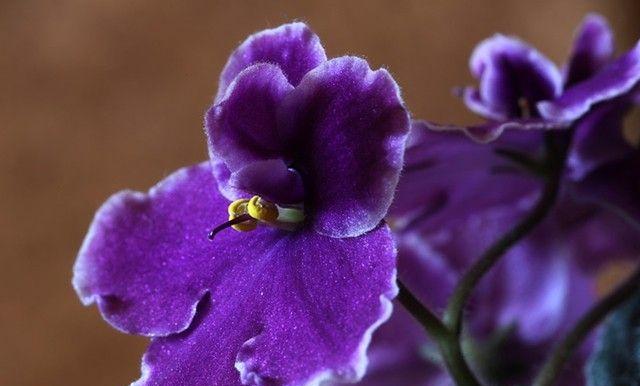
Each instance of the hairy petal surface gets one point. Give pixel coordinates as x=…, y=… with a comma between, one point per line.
x=146, y=260
x=273, y=307
x=292, y=47
x=298, y=313
x=592, y=49
x=508, y=70
x=242, y=128
x=617, y=78
x=350, y=127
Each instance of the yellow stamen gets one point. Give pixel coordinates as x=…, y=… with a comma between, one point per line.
x=258, y=210
x=245, y=226
x=262, y=210
x=237, y=209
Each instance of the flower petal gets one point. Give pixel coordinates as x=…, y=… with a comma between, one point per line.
x=270, y=179
x=592, y=49
x=447, y=175
x=300, y=313
x=292, y=47
x=146, y=259
x=616, y=186
x=508, y=70
x=287, y=307
x=617, y=78
x=242, y=127
x=599, y=139
x=397, y=358
x=351, y=127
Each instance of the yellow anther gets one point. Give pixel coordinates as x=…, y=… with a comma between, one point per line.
x=262, y=210
x=244, y=226
x=238, y=207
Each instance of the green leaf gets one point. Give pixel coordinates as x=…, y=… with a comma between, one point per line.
x=616, y=359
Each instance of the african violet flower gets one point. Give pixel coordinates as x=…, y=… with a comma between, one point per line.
x=305, y=153
x=454, y=199
x=520, y=88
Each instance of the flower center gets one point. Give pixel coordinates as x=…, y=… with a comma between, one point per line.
x=246, y=214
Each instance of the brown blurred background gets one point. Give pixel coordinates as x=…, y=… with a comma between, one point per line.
x=98, y=96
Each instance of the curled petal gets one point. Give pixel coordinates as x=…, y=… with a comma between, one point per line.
x=292, y=47
x=616, y=79
x=350, y=127
x=242, y=127
x=508, y=70
x=592, y=49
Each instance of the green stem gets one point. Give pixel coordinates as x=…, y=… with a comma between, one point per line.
x=446, y=340
x=457, y=302
x=555, y=363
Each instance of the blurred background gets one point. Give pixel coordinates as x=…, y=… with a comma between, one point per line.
x=103, y=95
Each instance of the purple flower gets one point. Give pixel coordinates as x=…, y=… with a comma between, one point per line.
x=310, y=149
x=520, y=88
x=455, y=198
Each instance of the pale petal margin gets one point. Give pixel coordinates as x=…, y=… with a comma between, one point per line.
x=359, y=361
x=616, y=79
x=490, y=131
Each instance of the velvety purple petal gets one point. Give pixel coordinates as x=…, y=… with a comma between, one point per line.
x=615, y=79
x=615, y=186
x=598, y=139
x=601, y=238
x=298, y=311
x=242, y=127
x=592, y=49
x=509, y=70
x=292, y=47
x=146, y=260
x=272, y=306
x=474, y=102
x=222, y=175
x=270, y=179
x=447, y=175
x=492, y=130
x=351, y=127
